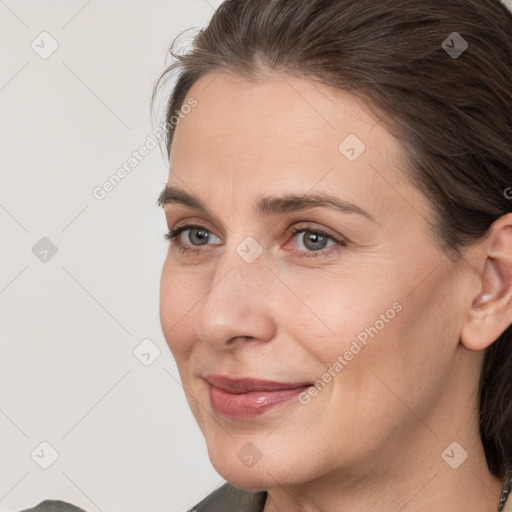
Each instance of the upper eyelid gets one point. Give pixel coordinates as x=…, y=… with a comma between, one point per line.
x=179, y=218
x=192, y=225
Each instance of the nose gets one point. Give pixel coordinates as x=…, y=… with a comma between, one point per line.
x=236, y=306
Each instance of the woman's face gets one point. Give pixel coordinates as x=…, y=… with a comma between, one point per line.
x=353, y=296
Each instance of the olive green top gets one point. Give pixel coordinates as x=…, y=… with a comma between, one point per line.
x=224, y=499
x=230, y=499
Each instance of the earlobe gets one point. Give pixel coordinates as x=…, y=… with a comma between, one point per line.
x=490, y=312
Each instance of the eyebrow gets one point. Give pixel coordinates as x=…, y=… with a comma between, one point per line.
x=269, y=205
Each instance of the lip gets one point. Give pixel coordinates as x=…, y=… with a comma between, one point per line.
x=247, y=398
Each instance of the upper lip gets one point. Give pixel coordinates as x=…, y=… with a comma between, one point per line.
x=245, y=385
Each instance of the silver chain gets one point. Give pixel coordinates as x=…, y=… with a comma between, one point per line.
x=507, y=486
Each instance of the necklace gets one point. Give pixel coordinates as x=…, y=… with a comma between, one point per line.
x=507, y=486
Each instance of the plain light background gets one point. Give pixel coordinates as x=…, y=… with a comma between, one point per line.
x=68, y=375
x=69, y=325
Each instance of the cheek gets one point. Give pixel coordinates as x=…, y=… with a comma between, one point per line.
x=167, y=310
x=177, y=299
x=336, y=315
x=397, y=362
x=358, y=326
x=410, y=358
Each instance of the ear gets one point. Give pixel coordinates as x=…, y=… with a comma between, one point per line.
x=491, y=311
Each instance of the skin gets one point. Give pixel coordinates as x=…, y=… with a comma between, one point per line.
x=373, y=437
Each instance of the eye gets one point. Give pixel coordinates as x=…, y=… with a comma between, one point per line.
x=308, y=241
x=313, y=241
x=191, y=234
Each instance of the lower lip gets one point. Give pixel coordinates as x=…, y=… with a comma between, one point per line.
x=251, y=404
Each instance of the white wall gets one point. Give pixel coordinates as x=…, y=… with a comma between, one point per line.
x=68, y=376
x=124, y=434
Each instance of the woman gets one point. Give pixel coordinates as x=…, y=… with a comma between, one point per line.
x=337, y=288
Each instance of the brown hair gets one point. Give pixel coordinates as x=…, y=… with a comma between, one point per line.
x=452, y=112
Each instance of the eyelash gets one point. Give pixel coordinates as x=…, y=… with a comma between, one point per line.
x=341, y=242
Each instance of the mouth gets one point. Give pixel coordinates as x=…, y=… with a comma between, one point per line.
x=247, y=398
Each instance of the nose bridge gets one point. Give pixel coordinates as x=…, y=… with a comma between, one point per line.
x=237, y=278
x=245, y=276
x=242, y=265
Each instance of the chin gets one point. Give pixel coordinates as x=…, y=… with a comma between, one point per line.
x=263, y=475
x=248, y=480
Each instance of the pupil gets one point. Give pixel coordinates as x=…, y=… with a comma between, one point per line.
x=201, y=236
x=315, y=238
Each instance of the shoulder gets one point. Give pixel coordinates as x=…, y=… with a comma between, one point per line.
x=230, y=499
x=54, y=506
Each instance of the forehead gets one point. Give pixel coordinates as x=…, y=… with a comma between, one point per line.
x=296, y=109
x=286, y=132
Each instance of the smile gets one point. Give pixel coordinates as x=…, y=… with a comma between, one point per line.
x=248, y=398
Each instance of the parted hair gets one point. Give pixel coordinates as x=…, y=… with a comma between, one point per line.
x=450, y=106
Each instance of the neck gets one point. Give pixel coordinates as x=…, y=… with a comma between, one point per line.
x=424, y=486
x=418, y=470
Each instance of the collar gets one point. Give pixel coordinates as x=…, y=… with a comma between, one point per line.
x=230, y=499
